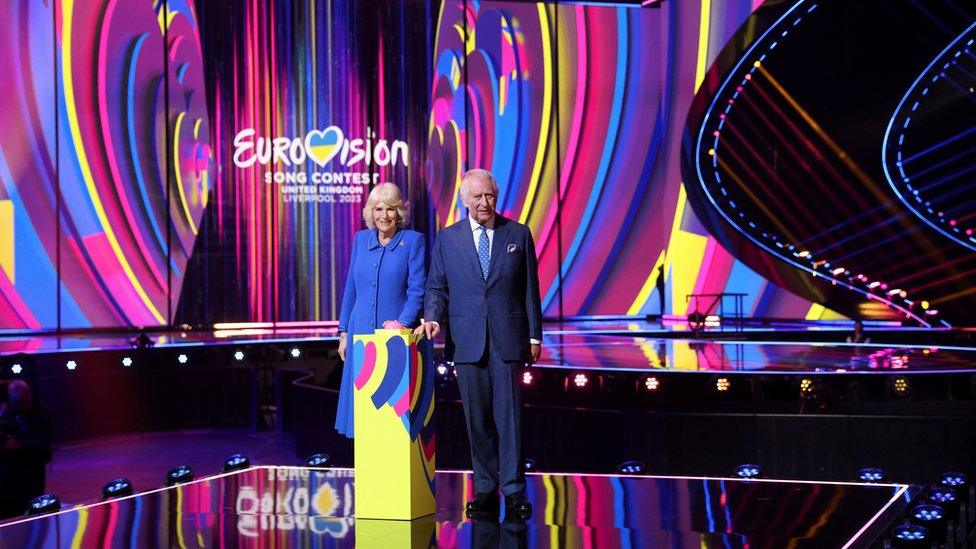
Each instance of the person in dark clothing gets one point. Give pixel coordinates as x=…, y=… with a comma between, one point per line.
x=25, y=449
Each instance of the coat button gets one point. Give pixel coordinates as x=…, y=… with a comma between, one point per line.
x=372, y=303
x=374, y=265
x=372, y=283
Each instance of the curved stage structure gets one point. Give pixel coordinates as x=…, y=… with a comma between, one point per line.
x=782, y=157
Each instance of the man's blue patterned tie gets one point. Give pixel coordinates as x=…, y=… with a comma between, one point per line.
x=483, y=254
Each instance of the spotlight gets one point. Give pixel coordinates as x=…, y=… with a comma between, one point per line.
x=899, y=387
x=942, y=496
x=318, y=460
x=126, y=361
x=747, y=470
x=910, y=532
x=44, y=504
x=528, y=464
x=239, y=356
x=872, y=474
x=182, y=359
x=236, y=462
x=117, y=488
x=928, y=513
x=183, y=473
x=527, y=377
x=722, y=384
x=952, y=479
x=295, y=352
x=71, y=365
x=442, y=369
x=580, y=380
x=16, y=369
x=633, y=467
x=650, y=383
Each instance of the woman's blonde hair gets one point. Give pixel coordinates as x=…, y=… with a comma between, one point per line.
x=389, y=194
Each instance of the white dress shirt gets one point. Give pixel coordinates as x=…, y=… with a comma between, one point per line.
x=476, y=232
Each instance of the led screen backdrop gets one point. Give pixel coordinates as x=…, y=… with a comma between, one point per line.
x=312, y=102
x=105, y=160
x=169, y=162
x=578, y=110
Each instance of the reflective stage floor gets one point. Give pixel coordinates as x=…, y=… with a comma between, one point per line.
x=301, y=507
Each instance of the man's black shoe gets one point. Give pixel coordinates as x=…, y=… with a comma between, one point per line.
x=517, y=507
x=484, y=504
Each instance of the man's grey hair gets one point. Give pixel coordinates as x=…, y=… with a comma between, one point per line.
x=477, y=172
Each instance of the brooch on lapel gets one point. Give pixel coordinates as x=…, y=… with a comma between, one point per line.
x=512, y=248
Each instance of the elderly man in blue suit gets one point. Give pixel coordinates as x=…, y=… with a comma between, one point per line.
x=484, y=283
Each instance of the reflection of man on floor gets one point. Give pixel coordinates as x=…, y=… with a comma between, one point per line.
x=24, y=449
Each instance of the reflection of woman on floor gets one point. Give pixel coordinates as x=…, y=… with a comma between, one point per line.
x=384, y=287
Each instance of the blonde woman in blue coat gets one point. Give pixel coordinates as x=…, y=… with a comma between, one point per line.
x=385, y=284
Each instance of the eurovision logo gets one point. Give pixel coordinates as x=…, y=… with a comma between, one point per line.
x=319, y=146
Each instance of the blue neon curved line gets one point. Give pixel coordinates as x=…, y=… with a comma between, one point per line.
x=891, y=122
x=708, y=506
x=130, y=126
x=619, y=88
x=701, y=179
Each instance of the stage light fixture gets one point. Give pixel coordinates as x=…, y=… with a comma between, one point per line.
x=928, y=513
x=899, y=387
x=318, y=460
x=239, y=356
x=71, y=365
x=528, y=464
x=236, y=462
x=527, y=377
x=182, y=359
x=872, y=474
x=295, y=352
x=910, y=532
x=16, y=369
x=179, y=475
x=722, y=384
x=811, y=389
x=117, y=488
x=632, y=467
x=650, y=383
x=127, y=361
x=580, y=380
x=43, y=504
x=942, y=496
x=747, y=470
x=952, y=479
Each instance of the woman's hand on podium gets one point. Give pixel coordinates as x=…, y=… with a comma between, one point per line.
x=342, y=345
x=392, y=325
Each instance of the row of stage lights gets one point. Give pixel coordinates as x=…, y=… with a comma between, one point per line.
x=808, y=388
x=17, y=368
x=122, y=487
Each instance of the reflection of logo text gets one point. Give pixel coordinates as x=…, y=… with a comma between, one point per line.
x=319, y=146
x=288, y=507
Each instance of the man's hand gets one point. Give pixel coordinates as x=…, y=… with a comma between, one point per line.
x=342, y=345
x=536, y=352
x=430, y=329
x=392, y=325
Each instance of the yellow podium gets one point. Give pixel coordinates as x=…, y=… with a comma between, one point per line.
x=393, y=406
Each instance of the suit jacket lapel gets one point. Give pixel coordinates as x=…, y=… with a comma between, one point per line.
x=498, y=242
x=465, y=241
